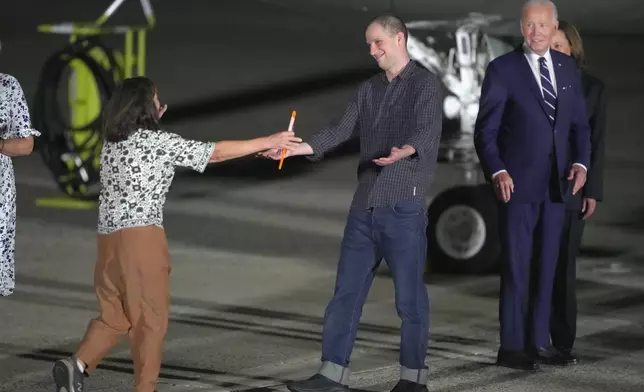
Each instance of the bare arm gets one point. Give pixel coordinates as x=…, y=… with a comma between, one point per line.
x=16, y=147
x=231, y=149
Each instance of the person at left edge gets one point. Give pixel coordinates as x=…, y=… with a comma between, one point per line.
x=16, y=139
x=396, y=115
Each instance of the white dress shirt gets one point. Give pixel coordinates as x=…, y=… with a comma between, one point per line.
x=533, y=61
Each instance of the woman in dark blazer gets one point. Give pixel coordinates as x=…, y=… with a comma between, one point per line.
x=563, y=324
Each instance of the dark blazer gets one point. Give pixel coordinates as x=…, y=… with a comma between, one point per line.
x=596, y=102
x=513, y=131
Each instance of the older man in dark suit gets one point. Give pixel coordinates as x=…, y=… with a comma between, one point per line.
x=532, y=113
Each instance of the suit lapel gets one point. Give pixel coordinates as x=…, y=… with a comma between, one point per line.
x=527, y=74
x=560, y=81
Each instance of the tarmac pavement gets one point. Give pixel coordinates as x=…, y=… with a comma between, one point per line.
x=254, y=250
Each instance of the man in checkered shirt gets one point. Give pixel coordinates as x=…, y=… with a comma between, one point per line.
x=396, y=115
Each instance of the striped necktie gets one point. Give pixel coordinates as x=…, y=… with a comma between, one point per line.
x=549, y=94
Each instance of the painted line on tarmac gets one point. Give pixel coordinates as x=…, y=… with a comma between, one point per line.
x=255, y=377
x=296, y=222
x=63, y=202
x=213, y=209
x=184, y=343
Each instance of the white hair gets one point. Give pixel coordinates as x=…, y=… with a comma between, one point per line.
x=529, y=3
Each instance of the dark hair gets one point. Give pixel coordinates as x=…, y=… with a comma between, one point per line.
x=130, y=107
x=576, y=44
x=392, y=24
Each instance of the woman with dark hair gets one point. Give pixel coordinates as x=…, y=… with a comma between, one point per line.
x=563, y=321
x=131, y=276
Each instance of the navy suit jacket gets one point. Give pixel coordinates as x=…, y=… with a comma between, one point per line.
x=513, y=131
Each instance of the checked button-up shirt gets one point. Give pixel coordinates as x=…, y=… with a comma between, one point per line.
x=383, y=115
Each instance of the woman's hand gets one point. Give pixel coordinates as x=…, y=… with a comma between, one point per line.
x=282, y=140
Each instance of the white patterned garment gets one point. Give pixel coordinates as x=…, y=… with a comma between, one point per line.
x=136, y=174
x=15, y=122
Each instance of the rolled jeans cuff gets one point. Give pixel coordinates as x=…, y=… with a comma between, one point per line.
x=418, y=376
x=335, y=372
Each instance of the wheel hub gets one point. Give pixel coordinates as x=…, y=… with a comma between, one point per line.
x=461, y=232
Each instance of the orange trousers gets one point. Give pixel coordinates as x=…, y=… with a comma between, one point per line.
x=131, y=279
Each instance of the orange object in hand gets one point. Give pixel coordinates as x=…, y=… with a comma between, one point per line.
x=290, y=129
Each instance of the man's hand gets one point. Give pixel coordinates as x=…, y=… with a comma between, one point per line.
x=588, y=207
x=274, y=153
x=577, y=173
x=503, y=186
x=395, y=155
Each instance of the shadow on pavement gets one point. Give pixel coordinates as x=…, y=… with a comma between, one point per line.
x=125, y=366
x=633, y=220
x=593, y=348
x=600, y=252
x=262, y=169
x=267, y=95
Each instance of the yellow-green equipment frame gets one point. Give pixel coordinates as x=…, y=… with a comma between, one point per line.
x=83, y=94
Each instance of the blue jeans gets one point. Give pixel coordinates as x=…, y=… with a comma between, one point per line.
x=398, y=234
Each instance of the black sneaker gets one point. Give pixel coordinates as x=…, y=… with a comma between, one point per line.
x=409, y=386
x=317, y=383
x=67, y=376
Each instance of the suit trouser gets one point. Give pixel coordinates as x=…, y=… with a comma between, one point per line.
x=131, y=279
x=563, y=320
x=399, y=235
x=530, y=236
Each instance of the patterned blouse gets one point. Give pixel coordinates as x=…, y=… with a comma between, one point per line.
x=14, y=123
x=136, y=174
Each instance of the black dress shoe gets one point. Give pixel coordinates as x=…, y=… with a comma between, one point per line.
x=317, y=383
x=567, y=354
x=516, y=360
x=409, y=386
x=555, y=357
